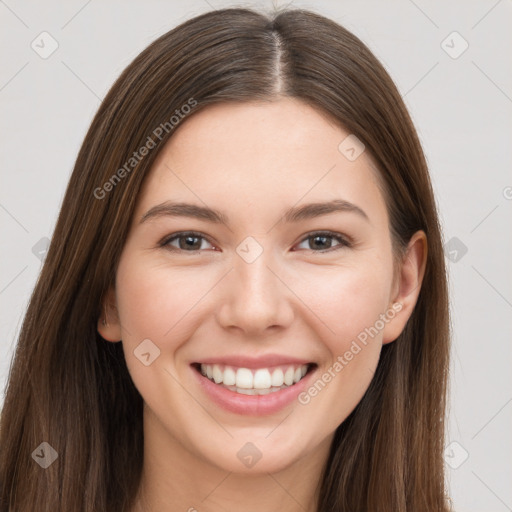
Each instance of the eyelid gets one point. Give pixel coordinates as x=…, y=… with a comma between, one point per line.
x=344, y=240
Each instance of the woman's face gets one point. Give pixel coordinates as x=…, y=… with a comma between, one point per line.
x=259, y=295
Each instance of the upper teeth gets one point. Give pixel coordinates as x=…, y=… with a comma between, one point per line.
x=261, y=378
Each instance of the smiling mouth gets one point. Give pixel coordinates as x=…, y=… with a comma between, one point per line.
x=258, y=381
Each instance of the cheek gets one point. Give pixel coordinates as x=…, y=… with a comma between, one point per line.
x=144, y=303
x=154, y=301
x=346, y=300
x=349, y=303
x=157, y=303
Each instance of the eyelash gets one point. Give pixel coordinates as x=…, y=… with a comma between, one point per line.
x=343, y=242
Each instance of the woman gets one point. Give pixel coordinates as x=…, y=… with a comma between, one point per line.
x=244, y=304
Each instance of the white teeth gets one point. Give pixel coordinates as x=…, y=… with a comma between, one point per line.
x=277, y=377
x=254, y=382
x=229, y=376
x=288, y=376
x=245, y=391
x=262, y=379
x=217, y=374
x=253, y=391
x=244, y=378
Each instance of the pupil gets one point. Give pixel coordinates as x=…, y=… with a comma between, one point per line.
x=189, y=241
x=323, y=238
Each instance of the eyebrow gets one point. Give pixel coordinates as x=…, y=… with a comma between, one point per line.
x=294, y=214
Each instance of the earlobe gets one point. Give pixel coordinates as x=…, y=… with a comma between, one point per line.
x=410, y=278
x=109, y=326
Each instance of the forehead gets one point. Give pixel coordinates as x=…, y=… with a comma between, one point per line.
x=260, y=152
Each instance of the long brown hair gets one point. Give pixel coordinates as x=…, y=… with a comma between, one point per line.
x=71, y=389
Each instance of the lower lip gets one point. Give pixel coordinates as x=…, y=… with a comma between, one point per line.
x=253, y=405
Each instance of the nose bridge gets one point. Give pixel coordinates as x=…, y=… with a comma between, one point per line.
x=255, y=277
x=257, y=298
x=252, y=261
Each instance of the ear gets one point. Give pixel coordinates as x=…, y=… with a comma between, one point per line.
x=109, y=325
x=407, y=286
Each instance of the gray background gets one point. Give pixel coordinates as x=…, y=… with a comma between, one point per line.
x=461, y=104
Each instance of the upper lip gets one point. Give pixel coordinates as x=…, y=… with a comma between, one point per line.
x=265, y=361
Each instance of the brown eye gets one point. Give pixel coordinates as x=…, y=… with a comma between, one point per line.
x=187, y=241
x=323, y=241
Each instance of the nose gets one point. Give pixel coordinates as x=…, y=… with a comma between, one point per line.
x=257, y=298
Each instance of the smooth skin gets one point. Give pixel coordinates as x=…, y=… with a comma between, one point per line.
x=303, y=296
